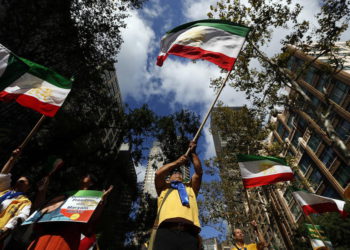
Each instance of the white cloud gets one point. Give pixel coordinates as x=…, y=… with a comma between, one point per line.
x=154, y=9
x=132, y=59
x=197, y=9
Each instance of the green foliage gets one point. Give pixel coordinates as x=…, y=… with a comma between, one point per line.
x=175, y=131
x=262, y=76
x=78, y=39
x=243, y=132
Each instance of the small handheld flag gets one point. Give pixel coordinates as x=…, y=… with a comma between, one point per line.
x=31, y=85
x=317, y=204
x=317, y=237
x=263, y=170
x=217, y=41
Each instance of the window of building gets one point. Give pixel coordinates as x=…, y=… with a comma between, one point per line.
x=309, y=76
x=321, y=83
x=295, y=209
x=339, y=91
x=290, y=120
x=315, y=177
x=291, y=62
x=315, y=101
x=302, y=124
x=296, y=136
x=280, y=129
x=314, y=142
x=327, y=156
x=288, y=195
x=343, y=130
x=305, y=163
x=343, y=175
x=331, y=192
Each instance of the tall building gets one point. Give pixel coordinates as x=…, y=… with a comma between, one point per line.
x=304, y=138
x=269, y=224
x=155, y=161
x=110, y=134
x=210, y=244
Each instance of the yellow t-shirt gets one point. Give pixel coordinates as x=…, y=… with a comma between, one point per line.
x=172, y=207
x=252, y=246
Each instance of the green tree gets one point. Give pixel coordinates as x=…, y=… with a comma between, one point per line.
x=78, y=39
x=262, y=76
x=241, y=131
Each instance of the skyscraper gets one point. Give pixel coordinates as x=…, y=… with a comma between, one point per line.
x=155, y=161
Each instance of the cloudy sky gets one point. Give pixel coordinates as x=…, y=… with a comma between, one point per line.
x=179, y=83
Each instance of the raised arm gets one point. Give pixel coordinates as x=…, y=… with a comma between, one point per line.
x=163, y=172
x=196, y=179
x=9, y=164
x=262, y=243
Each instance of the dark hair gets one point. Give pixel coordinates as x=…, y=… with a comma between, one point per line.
x=175, y=170
x=93, y=180
x=14, y=180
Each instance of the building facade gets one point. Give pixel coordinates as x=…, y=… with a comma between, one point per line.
x=155, y=161
x=303, y=136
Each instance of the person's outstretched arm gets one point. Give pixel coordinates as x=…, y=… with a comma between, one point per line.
x=163, y=172
x=196, y=179
x=262, y=243
x=9, y=164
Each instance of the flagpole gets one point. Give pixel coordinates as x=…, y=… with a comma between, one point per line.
x=32, y=132
x=195, y=138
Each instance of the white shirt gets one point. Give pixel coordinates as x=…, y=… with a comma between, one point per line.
x=5, y=183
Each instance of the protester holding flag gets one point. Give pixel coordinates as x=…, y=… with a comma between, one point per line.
x=177, y=219
x=66, y=236
x=239, y=244
x=14, y=204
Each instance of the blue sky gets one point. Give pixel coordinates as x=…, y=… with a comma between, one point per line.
x=180, y=83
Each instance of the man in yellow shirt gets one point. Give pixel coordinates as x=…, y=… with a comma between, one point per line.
x=177, y=217
x=239, y=244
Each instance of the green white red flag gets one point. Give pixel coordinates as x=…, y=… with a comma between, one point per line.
x=317, y=204
x=31, y=85
x=217, y=41
x=263, y=170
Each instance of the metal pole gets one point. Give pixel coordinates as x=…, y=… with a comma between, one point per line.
x=195, y=138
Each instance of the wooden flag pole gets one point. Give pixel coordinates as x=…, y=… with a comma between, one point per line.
x=7, y=167
x=195, y=138
x=32, y=132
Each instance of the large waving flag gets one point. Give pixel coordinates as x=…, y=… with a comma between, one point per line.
x=263, y=170
x=31, y=84
x=317, y=204
x=217, y=41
